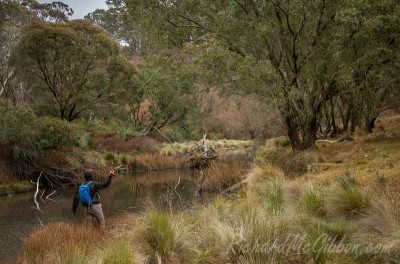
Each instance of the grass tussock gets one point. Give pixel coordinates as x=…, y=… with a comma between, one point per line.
x=155, y=162
x=261, y=173
x=119, y=252
x=166, y=238
x=314, y=202
x=222, y=175
x=349, y=202
x=60, y=243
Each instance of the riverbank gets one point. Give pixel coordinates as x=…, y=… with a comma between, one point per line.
x=342, y=209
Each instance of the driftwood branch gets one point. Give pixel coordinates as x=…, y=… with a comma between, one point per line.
x=37, y=191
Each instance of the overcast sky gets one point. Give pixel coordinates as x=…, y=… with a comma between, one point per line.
x=81, y=7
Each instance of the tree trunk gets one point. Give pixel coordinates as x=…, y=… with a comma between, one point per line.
x=354, y=123
x=334, y=127
x=370, y=124
x=309, y=134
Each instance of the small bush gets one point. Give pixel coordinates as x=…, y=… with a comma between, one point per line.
x=55, y=133
x=109, y=157
x=18, y=131
x=124, y=160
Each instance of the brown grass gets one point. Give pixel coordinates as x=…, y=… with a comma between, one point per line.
x=155, y=162
x=59, y=243
x=222, y=175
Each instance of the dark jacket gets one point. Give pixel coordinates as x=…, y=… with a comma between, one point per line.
x=94, y=192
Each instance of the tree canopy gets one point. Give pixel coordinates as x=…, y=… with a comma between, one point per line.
x=75, y=64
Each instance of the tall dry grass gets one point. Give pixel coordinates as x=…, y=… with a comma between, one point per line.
x=222, y=175
x=60, y=243
x=155, y=162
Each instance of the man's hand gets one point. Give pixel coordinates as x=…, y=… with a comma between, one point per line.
x=112, y=174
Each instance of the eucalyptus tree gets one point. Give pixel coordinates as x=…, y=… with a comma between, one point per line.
x=292, y=39
x=76, y=65
x=13, y=16
x=370, y=61
x=116, y=20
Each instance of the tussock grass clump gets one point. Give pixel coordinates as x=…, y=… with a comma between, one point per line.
x=348, y=202
x=272, y=194
x=336, y=229
x=221, y=175
x=314, y=202
x=119, y=252
x=155, y=162
x=165, y=237
x=262, y=172
x=60, y=243
x=380, y=228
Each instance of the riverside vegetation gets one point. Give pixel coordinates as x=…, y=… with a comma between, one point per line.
x=111, y=89
x=342, y=210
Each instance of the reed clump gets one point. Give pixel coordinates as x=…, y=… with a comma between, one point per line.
x=152, y=161
x=222, y=175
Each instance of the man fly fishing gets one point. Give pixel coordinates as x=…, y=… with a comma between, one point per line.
x=88, y=194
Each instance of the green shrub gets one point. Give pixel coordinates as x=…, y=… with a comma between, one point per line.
x=54, y=133
x=17, y=130
x=284, y=142
x=82, y=139
x=124, y=160
x=109, y=157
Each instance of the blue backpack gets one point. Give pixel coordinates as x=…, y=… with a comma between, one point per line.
x=84, y=194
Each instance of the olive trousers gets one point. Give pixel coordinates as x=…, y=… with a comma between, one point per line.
x=95, y=211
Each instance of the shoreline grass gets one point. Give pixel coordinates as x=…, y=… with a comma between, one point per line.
x=16, y=187
x=183, y=148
